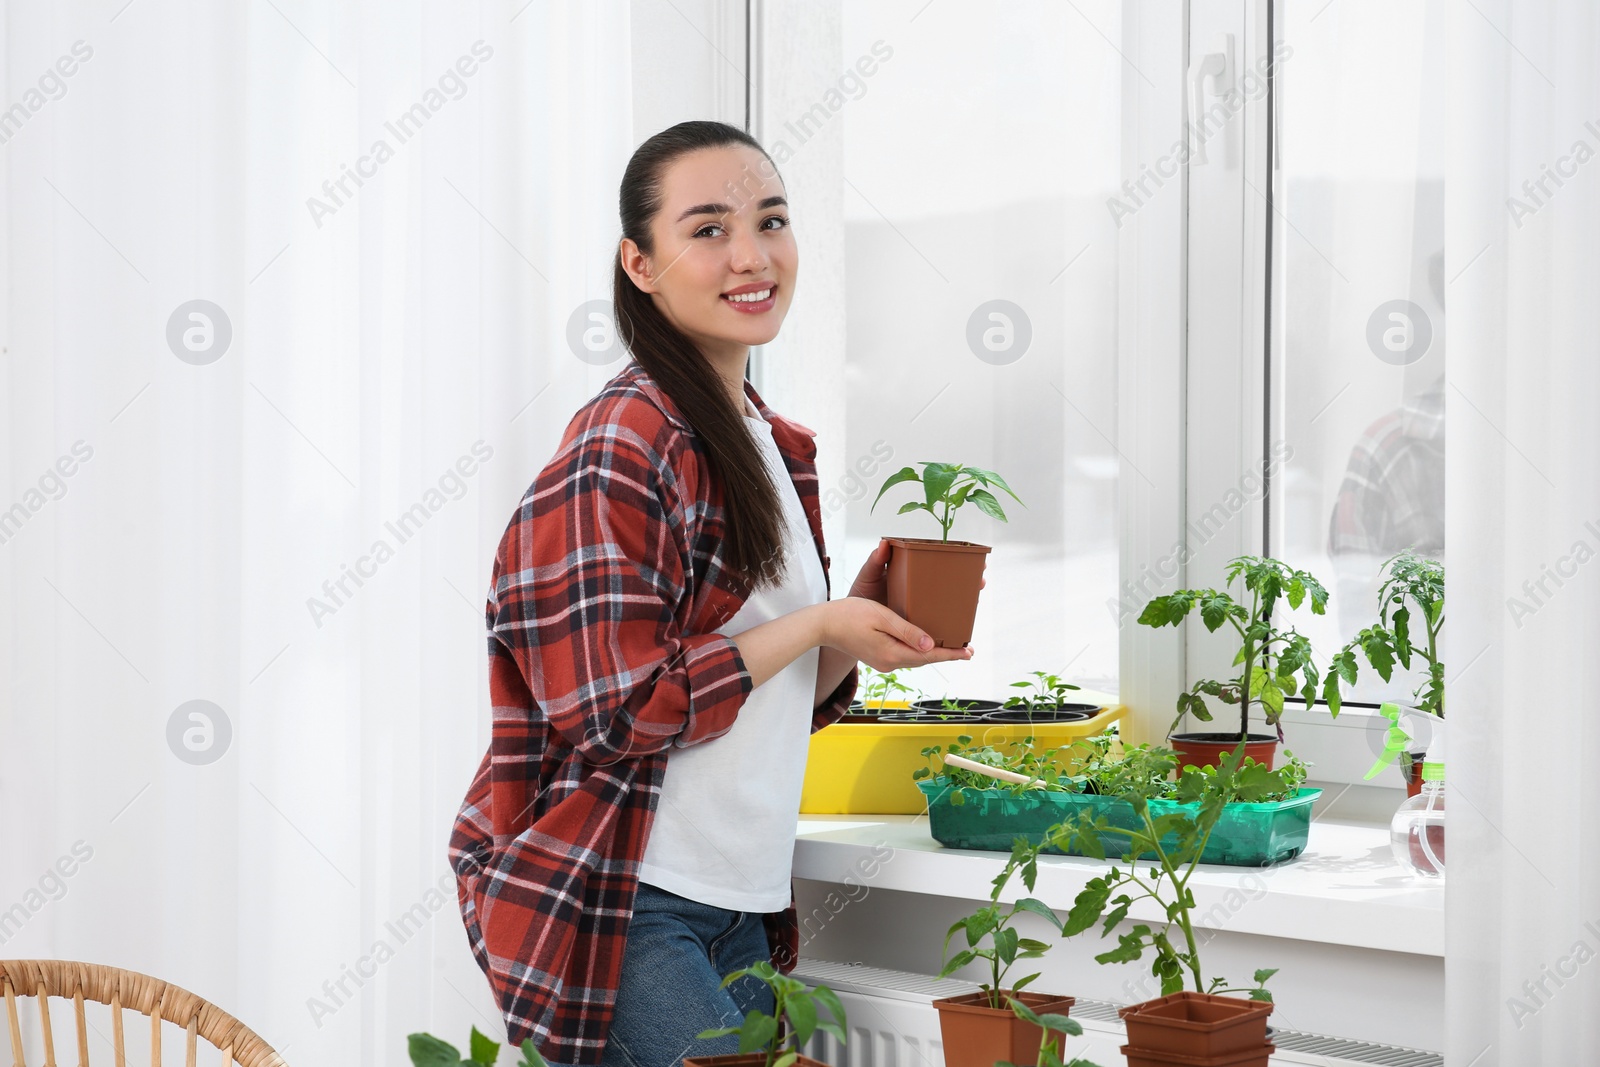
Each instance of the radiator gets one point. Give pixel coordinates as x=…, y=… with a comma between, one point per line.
x=892, y=1023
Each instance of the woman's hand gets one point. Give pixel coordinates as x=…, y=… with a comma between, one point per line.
x=867, y=631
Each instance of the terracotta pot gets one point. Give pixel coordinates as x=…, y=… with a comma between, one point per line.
x=934, y=585
x=1251, y=1057
x=1199, y=1025
x=1413, y=774
x=744, y=1059
x=1205, y=749
x=976, y=1035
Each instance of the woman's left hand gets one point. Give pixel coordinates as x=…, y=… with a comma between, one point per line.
x=873, y=581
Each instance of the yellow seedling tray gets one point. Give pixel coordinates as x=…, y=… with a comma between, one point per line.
x=865, y=768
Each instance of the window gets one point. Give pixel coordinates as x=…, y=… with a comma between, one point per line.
x=1358, y=291
x=981, y=318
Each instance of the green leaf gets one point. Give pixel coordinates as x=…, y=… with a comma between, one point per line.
x=830, y=1000
x=988, y=504
x=758, y=1031
x=904, y=474
x=936, y=481
x=1087, y=908
x=1167, y=610
x=530, y=1055
x=1261, y=994
x=913, y=505
x=801, y=1012
x=1039, y=908
x=991, y=478
x=484, y=1051
x=428, y=1051
x=1265, y=973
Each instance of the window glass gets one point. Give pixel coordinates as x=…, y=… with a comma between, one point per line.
x=1359, y=301
x=980, y=157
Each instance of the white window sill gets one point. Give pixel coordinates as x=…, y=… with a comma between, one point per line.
x=1345, y=889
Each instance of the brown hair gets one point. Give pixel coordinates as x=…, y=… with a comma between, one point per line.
x=753, y=539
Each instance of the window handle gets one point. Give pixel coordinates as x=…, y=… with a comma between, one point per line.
x=1218, y=66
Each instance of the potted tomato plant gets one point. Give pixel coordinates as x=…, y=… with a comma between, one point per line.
x=1269, y=658
x=1164, y=847
x=980, y=1028
x=1051, y=1024
x=776, y=1040
x=1410, y=599
x=935, y=583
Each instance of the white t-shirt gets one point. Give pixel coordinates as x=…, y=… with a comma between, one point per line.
x=725, y=821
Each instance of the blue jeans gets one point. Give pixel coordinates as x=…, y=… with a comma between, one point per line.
x=676, y=954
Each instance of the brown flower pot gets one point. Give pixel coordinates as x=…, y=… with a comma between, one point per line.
x=1198, y=1025
x=1413, y=774
x=976, y=1035
x=744, y=1059
x=1205, y=749
x=934, y=585
x=1251, y=1057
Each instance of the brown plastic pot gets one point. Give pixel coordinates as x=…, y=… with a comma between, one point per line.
x=1199, y=1025
x=1251, y=1057
x=1413, y=774
x=976, y=1035
x=934, y=585
x=1205, y=749
x=744, y=1059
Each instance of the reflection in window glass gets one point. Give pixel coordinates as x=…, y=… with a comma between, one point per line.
x=981, y=322
x=1359, y=299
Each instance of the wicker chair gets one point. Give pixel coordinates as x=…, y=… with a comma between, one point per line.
x=160, y=1001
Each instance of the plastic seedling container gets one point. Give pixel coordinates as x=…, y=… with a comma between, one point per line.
x=988, y=820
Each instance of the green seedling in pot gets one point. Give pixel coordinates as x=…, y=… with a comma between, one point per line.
x=1048, y=692
x=1274, y=663
x=877, y=687
x=1023, y=760
x=793, y=1005
x=946, y=487
x=990, y=935
x=1052, y=1024
x=1171, y=844
x=1412, y=596
x=426, y=1050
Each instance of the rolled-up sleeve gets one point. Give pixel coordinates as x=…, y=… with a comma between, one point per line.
x=590, y=598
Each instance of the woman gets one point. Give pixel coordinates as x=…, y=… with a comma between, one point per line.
x=660, y=600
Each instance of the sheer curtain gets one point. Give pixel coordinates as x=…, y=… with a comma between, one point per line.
x=287, y=335
x=1523, y=509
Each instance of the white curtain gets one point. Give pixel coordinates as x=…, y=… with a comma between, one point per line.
x=1523, y=510
x=295, y=528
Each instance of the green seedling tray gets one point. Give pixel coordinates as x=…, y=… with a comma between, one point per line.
x=1247, y=835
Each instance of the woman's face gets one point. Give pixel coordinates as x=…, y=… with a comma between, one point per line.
x=723, y=229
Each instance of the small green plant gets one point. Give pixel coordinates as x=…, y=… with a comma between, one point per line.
x=991, y=924
x=1048, y=692
x=1172, y=842
x=794, y=1005
x=1051, y=1024
x=1270, y=658
x=877, y=687
x=428, y=1051
x=945, y=488
x=1412, y=593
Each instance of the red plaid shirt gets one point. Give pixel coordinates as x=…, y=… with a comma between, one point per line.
x=608, y=586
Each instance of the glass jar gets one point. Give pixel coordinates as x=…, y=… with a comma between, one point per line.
x=1417, y=832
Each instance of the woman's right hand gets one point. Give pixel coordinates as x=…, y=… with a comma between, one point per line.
x=872, y=634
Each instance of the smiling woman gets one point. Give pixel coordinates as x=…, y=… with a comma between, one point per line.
x=661, y=598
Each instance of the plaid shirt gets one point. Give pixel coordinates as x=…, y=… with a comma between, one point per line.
x=608, y=586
